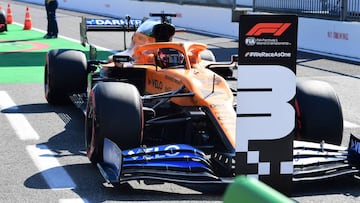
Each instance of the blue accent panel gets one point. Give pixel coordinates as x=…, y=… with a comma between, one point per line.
x=170, y=165
x=177, y=164
x=176, y=157
x=112, y=156
x=165, y=156
x=354, y=150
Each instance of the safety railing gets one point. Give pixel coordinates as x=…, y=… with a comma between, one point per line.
x=344, y=10
x=213, y=3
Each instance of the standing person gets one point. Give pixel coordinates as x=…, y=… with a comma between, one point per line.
x=52, y=27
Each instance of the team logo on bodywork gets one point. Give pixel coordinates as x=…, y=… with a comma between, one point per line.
x=113, y=22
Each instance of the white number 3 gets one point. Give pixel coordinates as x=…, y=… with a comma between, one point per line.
x=263, y=108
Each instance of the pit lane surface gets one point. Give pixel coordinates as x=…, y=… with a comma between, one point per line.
x=42, y=157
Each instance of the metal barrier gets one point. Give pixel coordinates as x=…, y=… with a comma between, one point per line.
x=214, y=3
x=352, y=10
x=344, y=10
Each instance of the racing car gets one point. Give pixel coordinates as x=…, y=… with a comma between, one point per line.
x=164, y=110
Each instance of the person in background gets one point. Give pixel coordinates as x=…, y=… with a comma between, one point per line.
x=52, y=27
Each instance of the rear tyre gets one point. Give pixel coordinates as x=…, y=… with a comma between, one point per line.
x=114, y=111
x=65, y=74
x=320, y=110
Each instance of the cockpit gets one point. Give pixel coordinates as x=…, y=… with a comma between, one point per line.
x=170, y=58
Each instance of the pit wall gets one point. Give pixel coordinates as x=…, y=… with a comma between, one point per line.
x=332, y=38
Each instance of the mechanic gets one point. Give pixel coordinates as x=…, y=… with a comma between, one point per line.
x=52, y=27
x=167, y=58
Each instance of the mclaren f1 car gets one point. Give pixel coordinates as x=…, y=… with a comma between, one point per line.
x=163, y=110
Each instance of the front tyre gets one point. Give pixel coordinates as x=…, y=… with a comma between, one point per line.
x=319, y=112
x=65, y=74
x=114, y=111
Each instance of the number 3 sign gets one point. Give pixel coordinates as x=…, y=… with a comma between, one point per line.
x=266, y=87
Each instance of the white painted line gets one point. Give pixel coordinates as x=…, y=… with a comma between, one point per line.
x=22, y=127
x=348, y=124
x=74, y=200
x=54, y=174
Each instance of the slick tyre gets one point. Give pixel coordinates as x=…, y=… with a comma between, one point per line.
x=320, y=114
x=114, y=111
x=65, y=73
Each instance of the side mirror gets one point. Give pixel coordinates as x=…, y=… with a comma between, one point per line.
x=234, y=58
x=119, y=60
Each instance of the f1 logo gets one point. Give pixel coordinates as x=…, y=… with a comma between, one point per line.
x=277, y=29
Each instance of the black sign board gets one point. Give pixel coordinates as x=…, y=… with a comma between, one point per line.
x=266, y=88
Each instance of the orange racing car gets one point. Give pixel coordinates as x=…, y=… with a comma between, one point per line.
x=163, y=110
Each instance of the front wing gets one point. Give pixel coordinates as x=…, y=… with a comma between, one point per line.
x=314, y=161
x=170, y=163
x=181, y=163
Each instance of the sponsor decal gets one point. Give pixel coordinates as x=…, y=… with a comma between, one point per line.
x=113, y=22
x=173, y=79
x=263, y=54
x=157, y=84
x=170, y=151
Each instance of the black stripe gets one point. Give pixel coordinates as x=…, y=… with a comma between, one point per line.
x=254, y=89
x=254, y=115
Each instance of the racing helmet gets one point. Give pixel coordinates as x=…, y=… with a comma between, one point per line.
x=167, y=57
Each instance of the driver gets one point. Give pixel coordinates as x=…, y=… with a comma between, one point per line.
x=167, y=58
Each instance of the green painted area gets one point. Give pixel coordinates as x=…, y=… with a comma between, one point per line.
x=23, y=53
x=29, y=74
x=245, y=189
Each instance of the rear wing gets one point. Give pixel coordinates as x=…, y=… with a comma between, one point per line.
x=106, y=24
